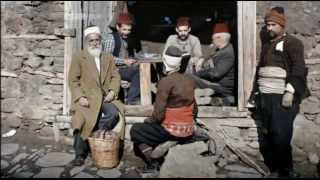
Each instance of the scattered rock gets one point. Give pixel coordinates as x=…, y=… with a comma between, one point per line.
x=310, y=106
x=4, y=164
x=298, y=154
x=14, y=168
x=182, y=160
x=239, y=168
x=19, y=157
x=52, y=172
x=83, y=175
x=9, y=105
x=313, y=158
x=222, y=162
x=232, y=158
x=15, y=122
x=242, y=175
x=306, y=134
x=8, y=149
x=55, y=159
x=112, y=173
x=77, y=170
x=33, y=62
x=46, y=131
x=23, y=175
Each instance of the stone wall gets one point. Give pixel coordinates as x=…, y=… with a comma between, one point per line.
x=32, y=59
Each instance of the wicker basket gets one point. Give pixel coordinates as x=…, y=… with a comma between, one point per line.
x=104, y=148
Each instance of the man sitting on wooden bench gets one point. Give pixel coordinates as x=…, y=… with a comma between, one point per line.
x=174, y=111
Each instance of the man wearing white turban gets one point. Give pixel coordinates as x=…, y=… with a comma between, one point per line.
x=94, y=83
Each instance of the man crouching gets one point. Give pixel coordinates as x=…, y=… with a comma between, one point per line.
x=174, y=111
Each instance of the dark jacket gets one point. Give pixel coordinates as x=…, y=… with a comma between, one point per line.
x=291, y=59
x=223, y=71
x=174, y=90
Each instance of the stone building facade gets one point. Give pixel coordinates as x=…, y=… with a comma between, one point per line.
x=32, y=67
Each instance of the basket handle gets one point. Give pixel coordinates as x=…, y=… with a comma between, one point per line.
x=104, y=133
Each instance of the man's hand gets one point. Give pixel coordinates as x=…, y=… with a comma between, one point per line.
x=198, y=64
x=109, y=97
x=129, y=62
x=84, y=102
x=287, y=99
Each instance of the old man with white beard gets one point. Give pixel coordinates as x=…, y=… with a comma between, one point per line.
x=94, y=84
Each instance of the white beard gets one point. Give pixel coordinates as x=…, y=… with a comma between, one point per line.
x=95, y=52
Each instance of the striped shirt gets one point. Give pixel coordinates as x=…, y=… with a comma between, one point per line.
x=108, y=45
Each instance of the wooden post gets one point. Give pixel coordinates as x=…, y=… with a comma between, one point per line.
x=72, y=21
x=246, y=50
x=145, y=84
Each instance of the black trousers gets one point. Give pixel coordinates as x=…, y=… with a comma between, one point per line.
x=151, y=134
x=109, y=120
x=276, y=132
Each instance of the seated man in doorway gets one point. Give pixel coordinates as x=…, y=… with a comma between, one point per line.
x=220, y=77
x=116, y=44
x=174, y=111
x=188, y=44
x=94, y=84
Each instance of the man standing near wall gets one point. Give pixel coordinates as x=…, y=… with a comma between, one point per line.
x=279, y=87
x=116, y=44
x=94, y=84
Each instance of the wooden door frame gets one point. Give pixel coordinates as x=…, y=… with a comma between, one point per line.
x=246, y=12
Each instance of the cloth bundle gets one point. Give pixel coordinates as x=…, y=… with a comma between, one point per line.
x=272, y=80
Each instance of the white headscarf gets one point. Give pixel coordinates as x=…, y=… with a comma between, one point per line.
x=90, y=30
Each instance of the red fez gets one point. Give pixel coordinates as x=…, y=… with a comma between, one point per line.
x=220, y=28
x=183, y=21
x=125, y=18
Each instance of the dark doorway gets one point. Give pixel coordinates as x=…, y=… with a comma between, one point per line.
x=155, y=21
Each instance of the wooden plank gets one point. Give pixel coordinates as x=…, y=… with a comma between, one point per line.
x=30, y=36
x=72, y=20
x=239, y=153
x=145, y=84
x=203, y=111
x=240, y=55
x=132, y=119
x=65, y=32
x=249, y=47
x=138, y=110
x=220, y=112
x=233, y=122
x=246, y=50
x=312, y=61
x=97, y=13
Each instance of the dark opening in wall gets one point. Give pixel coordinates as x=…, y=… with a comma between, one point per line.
x=155, y=21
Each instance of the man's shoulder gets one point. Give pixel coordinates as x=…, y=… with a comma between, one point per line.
x=291, y=39
x=78, y=54
x=172, y=37
x=194, y=38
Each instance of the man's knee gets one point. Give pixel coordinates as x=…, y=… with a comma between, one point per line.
x=110, y=109
x=136, y=128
